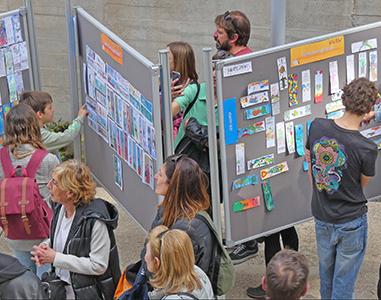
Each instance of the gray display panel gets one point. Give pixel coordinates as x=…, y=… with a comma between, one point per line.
x=136, y=197
x=26, y=73
x=291, y=190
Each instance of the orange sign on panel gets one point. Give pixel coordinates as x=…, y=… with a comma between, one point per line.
x=112, y=49
x=317, y=51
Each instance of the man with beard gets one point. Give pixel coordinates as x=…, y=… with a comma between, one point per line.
x=232, y=33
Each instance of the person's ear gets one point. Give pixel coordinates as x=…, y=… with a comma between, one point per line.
x=264, y=283
x=156, y=262
x=233, y=40
x=305, y=291
x=39, y=114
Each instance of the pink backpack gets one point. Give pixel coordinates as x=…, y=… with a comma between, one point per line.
x=24, y=215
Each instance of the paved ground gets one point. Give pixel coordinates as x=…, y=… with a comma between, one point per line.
x=130, y=240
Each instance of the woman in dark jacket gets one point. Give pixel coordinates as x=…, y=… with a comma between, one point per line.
x=183, y=185
x=82, y=245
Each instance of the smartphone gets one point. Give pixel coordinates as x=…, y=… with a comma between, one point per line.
x=176, y=75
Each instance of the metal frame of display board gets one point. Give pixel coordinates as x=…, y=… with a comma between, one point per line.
x=291, y=190
x=137, y=199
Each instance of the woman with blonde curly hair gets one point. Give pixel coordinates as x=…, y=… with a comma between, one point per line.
x=22, y=140
x=82, y=246
x=170, y=259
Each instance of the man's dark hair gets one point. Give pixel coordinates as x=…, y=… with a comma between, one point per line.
x=235, y=22
x=359, y=96
x=286, y=275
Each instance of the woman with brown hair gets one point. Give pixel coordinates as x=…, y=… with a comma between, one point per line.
x=181, y=60
x=183, y=185
x=22, y=139
x=82, y=246
x=170, y=259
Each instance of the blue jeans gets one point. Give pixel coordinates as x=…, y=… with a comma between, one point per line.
x=25, y=258
x=341, y=250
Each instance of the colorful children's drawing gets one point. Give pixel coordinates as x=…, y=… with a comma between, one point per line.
x=3, y=34
x=257, y=86
x=274, y=91
x=290, y=137
x=282, y=72
x=256, y=112
x=118, y=172
x=373, y=66
x=260, y=162
x=371, y=132
x=333, y=106
x=275, y=107
x=378, y=143
x=334, y=76
x=336, y=114
x=274, y=170
x=244, y=181
x=299, y=139
x=254, y=99
x=153, y=143
x=249, y=130
x=337, y=96
x=246, y=204
x=240, y=158
x=318, y=86
x=102, y=116
x=364, y=45
x=1, y=121
x=280, y=137
x=270, y=132
x=12, y=87
x=292, y=89
x=237, y=69
x=362, y=64
x=267, y=195
x=306, y=85
x=298, y=112
x=350, y=68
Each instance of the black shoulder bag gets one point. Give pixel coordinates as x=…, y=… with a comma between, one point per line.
x=187, y=147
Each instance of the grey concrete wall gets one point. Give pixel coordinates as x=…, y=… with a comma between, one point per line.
x=149, y=25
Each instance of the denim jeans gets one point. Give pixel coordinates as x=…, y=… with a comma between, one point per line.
x=25, y=258
x=341, y=250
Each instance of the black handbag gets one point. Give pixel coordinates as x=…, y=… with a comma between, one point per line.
x=53, y=286
x=187, y=147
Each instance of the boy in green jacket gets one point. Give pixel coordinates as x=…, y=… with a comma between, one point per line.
x=41, y=102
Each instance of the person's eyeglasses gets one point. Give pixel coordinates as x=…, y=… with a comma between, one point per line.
x=228, y=17
x=159, y=236
x=176, y=158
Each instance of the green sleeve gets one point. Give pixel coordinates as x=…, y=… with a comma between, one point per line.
x=189, y=94
x=57, y=140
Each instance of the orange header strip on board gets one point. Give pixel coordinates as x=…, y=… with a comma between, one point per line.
x=317, y=51
x=112, y=49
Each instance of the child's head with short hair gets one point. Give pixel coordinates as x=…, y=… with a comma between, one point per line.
x=36, y=99
x=359, y=96
x=286, y=275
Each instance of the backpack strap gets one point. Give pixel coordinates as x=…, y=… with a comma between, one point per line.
x=6, y=162
x=35, y=162
x=3, y=204
x=193, y=102
x=218, y=254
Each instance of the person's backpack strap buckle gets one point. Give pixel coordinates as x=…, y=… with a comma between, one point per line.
x=22, y=203
x=3, y=204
